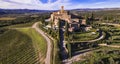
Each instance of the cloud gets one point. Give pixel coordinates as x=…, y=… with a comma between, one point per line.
x=22, y=1
x=32, y=4
x=55, y=4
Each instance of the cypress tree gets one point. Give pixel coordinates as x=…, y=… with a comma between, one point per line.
x=66, y=34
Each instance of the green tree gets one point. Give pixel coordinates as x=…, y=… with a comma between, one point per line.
x=43, y=20
x=66, y=33
x=58, y=34
x=111, y=60
x=92, y=60
x=69, y=49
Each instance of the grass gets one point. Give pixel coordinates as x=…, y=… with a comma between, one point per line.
x=39, y=41
x=20, y=25
x=86, y=36
x=55, y=56
x=114, y=34
x=56, y=50
x=103, y=54
x=6, y=18
x=24, y=46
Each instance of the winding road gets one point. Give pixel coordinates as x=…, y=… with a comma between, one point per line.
x=78, y=57
x=49, y=44
x=114, y=46
x=101, y=37
x=111, y=24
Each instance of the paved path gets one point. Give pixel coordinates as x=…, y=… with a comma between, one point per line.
x=111, y=24
x=78, y=57
x=114, y=46
x=101, y=37
x=49, y=44
x=84, y=53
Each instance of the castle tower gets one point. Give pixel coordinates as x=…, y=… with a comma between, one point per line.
x=62, y=9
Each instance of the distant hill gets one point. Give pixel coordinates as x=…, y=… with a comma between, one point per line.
x=21, y=11
x=96, y=9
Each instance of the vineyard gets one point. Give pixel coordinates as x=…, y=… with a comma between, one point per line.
x=23, y=46
x=103, y=55
x=113, y=33
x=20, y=25
x=85, y=36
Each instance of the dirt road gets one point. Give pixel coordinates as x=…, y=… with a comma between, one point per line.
x=49, y=44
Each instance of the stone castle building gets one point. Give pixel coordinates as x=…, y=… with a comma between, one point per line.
x=74, y=23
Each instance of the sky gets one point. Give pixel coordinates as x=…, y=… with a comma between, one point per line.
x=56, y=4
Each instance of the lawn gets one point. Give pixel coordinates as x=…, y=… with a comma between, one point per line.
x=85, y=36
x=23, y=46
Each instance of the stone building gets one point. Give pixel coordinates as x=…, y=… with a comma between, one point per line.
x=74, y=23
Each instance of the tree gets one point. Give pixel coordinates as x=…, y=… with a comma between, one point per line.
x=92, y=61
x=43, y=20
x=86, y=18
x=69, y=49
x=66, y=33
x=58, y=34
x=111, y=60
x=91, y=19
x=92, y=16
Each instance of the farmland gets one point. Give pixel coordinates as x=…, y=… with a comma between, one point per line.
x=103, y=55
x=20, y=25
x=7, y=18
x=85, y=36
x=23, y=46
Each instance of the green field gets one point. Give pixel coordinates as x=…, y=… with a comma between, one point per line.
x=103, y=55
x=20, y=25
x=85, y=36
x=6, y=18
x=23, y=46
x=113, y=33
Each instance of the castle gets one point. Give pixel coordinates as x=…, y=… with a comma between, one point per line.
x=74, y=23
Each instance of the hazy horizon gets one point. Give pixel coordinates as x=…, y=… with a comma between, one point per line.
x=55, y=4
